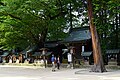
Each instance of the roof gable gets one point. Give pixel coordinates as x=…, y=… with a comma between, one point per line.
x=78, y=34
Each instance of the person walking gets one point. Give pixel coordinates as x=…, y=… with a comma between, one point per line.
x=58, y=62
x=69, y=56
x=53, y=59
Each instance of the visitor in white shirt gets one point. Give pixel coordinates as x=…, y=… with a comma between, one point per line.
x=69, y=56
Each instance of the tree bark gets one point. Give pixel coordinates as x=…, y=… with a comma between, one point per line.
x=98, y=60
x=70, y=15
x=42, y=37
x=116, y=31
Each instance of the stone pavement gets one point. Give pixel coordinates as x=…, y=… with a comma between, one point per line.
x=37, y=73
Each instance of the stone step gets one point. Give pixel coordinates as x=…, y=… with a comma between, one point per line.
x=112, y=63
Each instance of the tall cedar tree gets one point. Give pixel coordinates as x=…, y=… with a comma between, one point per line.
x=98, y=60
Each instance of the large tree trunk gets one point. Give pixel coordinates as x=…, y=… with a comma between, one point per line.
x=116, y=31
x=71, y=26
x=98, y=61
x=43, y=37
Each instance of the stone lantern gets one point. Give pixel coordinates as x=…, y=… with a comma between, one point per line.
x=72, y=52
x=44, y=51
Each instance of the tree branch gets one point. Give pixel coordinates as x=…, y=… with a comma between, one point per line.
x=61, y=8
x=1, y=3
x=13, y=16
x=57, y=15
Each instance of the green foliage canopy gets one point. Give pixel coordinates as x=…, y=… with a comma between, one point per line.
x=27, y=22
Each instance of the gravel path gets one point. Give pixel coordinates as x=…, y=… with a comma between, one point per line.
x=37, y=73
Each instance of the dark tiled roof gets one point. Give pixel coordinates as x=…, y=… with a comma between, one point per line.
x=40, y=54
x=5, y=54
x=113, y=51
x=48, y=53
x=49, y=45
x=37, y=54
x=87, y=54
x=79, y=34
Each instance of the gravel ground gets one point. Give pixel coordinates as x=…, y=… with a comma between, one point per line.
x=37, y=73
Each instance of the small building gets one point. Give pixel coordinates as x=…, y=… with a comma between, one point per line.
x=4, y=57
x=55, y=47
x=113, y=56
x=88, y=57
x=80, y=38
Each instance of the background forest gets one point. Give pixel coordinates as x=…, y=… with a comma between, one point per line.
x=32, y=22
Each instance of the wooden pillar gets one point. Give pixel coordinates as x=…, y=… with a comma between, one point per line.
x=118, y=59
x=91, y=60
